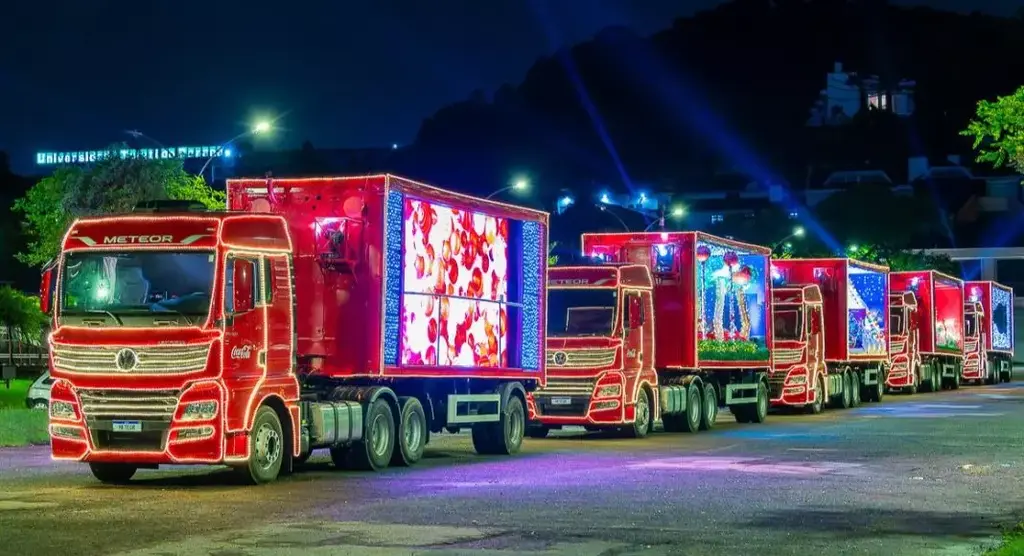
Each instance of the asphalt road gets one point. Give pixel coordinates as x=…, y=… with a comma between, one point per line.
x=932, y=474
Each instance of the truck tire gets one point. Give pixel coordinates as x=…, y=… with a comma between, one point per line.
x=411, y=437
x=537, y=431
x=818, y=404
x=643, y=416
x=505, y=437
x=113, y=473
x=709, y=408
x=931, y=384
x=374, y=451
x=759, y=411
x=954, y=384
x=691, y=419
x=877, y=392
x=267, y=455
x=846, y=397
x=855, y=394
x=993, y=372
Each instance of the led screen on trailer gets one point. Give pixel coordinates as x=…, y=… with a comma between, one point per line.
x=730, y=303
x=455, y=287
x=866, y=295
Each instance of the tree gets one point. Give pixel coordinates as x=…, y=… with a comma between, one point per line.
x=113, y=185
x=998, y=131
x=904, y=259
x=21, y=319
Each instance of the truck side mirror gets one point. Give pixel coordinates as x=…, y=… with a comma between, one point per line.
x=46, y=291
x=243, y=272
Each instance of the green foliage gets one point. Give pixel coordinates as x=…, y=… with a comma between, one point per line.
x=552, y=258
x=110, y=186
x=905, y=259
x=20, y=316
x=998, y=131
x=735, y=350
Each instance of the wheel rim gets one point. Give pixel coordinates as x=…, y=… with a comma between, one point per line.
x=379, y=442
x=694, y=416
x=762, y=402
x=515, y=427
x=643, y=417
x=413, y=432
x=819, y=394
x=268, y=446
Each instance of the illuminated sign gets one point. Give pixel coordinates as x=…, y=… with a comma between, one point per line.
x=85, y=157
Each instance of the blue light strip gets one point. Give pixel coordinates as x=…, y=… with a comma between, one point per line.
x=394, y=223
x=533, y=271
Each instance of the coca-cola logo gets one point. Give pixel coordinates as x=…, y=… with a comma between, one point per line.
x=241, y=352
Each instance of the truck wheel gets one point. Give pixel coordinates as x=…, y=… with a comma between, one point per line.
x=691, y=421
x=113, y=473
x=505, y=437
x=642, y=421
x=412, y=433
x=710, y=408
x=955, y=382
x=931, y=384
x=759, y=411
x=878, y=392
x=855, y=392
x=536, y=431
x=267, y=454
x=374, y=451
x=993, y=372
x=846, y=398
x=819, y=397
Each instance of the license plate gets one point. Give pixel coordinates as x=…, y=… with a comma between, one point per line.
x=561, y=401
x=127, y=426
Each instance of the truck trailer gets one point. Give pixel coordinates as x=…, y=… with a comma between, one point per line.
x=358, y=314
x=853, y=339
x=995, y=325
x=934, y=331
x=674, y=344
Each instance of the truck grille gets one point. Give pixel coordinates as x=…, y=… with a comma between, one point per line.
x=970, y=346
x=153, y=405
x=149, y=360
x=787, y=356
x=582, y=358
x=576, y=390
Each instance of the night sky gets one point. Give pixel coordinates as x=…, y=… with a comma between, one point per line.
x=74, y=75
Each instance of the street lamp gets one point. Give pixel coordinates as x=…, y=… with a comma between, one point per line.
x=678, y=211
x=797, y=232
x=621, y=221
x=520, y=184
x=262, y=126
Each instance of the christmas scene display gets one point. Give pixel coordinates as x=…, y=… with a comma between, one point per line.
x=948, y=315
x=455, y=284
x=866, y=294
x=730, y=303
x=1002, y=319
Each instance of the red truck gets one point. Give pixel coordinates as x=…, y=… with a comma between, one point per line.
x=927, y=331
x=992, y=359
x=667, y=325
x=357, y=314
x=850, y=354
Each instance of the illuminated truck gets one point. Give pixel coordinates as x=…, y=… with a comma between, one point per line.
x=665, y=325
x=928, y=341
x=994, y=360
x=849, y=343
x=355, y=314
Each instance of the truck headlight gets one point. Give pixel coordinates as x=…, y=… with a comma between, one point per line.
x=611, y=391
x=62, y=410
x=199, y=411
x=796, y=380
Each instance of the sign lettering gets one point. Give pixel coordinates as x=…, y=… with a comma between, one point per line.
x=241, y=352
x=119, y=240
x=570, y=282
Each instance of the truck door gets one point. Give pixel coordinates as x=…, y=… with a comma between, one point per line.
x=245, y=313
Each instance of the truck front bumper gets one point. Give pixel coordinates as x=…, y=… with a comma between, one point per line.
x=138, y=426
x=791, y=387
x=576, y=401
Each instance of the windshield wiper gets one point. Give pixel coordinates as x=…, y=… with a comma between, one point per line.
x=165, y=309
x=108, y=313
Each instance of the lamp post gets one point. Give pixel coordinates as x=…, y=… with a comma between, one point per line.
x=678, y=212
x=621, y=221
x=797, y=232
x=260, y=127
x=520, y=184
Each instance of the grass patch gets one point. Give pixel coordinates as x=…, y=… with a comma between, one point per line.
x=15, y=396
x=22, y=427
x=1013, y=543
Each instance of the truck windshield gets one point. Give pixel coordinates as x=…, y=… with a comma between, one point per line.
x=146, y=284
x=581, y=312
x=787, y=324
x=896, y=321
x=971, y=325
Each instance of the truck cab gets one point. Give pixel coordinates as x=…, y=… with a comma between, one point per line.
x=975, y=369
x=600, y=327
x=799, y=347
x=904, y=356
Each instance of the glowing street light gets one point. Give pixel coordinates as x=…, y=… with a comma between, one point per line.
x=605, y=199
x=520, y=184
x=798, y=232
x=260, y=127
x=678, y=211
x=854, y=248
